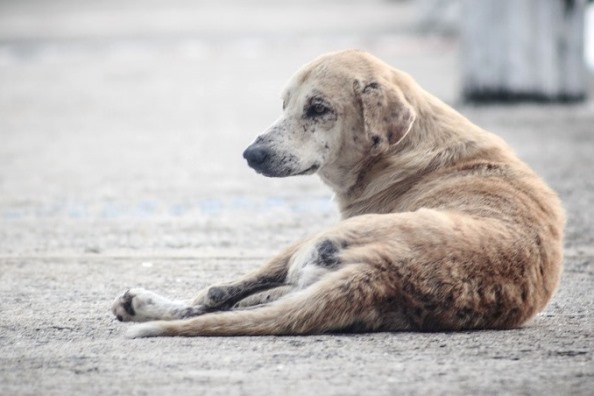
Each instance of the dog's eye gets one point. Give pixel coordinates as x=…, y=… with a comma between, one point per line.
x=317, y=109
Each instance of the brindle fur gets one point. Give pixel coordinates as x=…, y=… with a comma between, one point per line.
x=443, y=228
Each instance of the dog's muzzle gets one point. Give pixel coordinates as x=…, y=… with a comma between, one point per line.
x=256, y=156
x=267, y=162
x=271, y=163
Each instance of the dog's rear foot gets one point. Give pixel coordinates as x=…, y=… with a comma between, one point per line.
x=139, y=305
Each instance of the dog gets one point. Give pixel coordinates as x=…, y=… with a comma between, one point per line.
x=443, y=228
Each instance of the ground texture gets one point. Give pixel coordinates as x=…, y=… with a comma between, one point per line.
x=121, y=131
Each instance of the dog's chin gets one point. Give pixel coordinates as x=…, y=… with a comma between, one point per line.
x=309, y=171
x=286, y=172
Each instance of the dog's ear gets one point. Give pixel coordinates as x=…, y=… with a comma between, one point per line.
x=387, y=116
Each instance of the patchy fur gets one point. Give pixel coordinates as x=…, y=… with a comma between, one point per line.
x=443, y=228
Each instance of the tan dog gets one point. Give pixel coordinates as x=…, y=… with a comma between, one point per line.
x=443, y=227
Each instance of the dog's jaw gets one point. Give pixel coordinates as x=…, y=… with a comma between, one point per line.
x=268, y=162
x=309, y=171
x=286, y=172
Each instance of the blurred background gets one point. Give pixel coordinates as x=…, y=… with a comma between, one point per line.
x=122, y=123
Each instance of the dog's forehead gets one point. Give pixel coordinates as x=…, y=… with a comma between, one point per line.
x=318, y=80
x=331, y=73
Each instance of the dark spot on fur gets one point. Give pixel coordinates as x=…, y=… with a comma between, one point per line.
x=326, y=146
x=128, y=304
x=411, y=318
x=369, y=86
x=375, y=139
x=483, y=167
x=464, y=313
x=328, y=254
x=119, y=317
x=318, y=109
x=449, y=301
x=216, y=294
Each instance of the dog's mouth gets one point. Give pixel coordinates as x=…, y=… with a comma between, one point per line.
x=285, y=172
x=309, y=171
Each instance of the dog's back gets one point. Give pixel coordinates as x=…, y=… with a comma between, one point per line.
x=504, y=247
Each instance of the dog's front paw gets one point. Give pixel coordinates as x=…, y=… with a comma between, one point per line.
x=139, y=305
x=122, y=307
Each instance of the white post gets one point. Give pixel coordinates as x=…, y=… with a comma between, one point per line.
x=517, y=50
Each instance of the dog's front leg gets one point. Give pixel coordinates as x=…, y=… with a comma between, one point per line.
x=224, y=296
x=139, y=305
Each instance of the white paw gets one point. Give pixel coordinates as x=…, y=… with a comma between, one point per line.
x=150, y=329
x=139, y=305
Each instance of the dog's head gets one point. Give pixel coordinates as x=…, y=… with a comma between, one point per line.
x=337, y=111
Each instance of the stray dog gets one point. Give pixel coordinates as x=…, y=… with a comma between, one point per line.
x=443, y=228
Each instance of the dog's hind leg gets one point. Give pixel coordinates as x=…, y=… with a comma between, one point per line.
x=350, y=298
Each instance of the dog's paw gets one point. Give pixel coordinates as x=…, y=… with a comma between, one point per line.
x=122, y=307
x=139, y=305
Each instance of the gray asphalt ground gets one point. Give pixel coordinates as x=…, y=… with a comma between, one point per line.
x=121, y=131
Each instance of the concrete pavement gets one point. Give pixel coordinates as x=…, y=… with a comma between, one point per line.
x=121, y=131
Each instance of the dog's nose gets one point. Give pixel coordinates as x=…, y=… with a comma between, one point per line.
x=255, y=155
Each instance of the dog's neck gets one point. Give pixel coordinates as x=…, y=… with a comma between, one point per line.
x=441, y=137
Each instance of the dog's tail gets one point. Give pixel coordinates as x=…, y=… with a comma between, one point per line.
x=340, y=301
